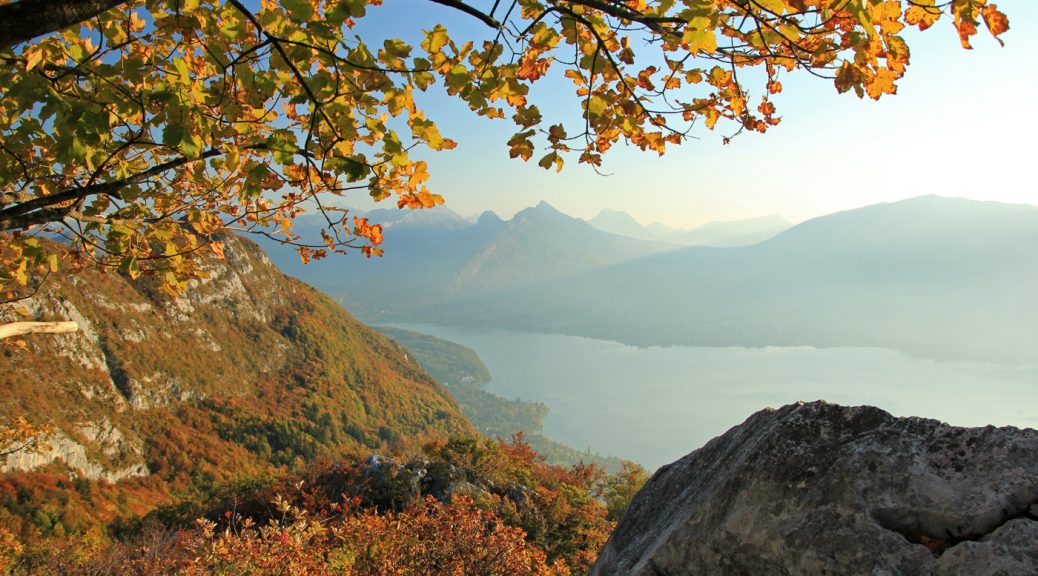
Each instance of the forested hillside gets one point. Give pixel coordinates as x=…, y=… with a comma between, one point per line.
x=248, y=371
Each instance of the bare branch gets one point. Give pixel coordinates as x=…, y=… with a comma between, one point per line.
x=459, y=5
x=22, y=328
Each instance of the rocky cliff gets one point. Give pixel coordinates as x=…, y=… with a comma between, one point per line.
x=247, y=369
x=823, y=489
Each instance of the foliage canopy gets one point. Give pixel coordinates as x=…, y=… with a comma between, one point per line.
x=138, y=130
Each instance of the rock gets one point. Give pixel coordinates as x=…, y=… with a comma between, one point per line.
x=823, y=489
x=389, y=485
x=76, y=456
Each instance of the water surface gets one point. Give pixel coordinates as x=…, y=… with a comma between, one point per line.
x=654, y=405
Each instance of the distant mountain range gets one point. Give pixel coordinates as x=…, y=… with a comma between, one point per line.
x=932, y=276
x=720, y=234
x=936, y=277
x=435, y=258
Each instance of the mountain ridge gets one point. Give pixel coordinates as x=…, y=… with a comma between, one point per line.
x=427, y=267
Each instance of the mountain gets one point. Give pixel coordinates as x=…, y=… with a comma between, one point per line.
x=247, y=372
x=540, y=244
x=622, y=223
x=936, y=277
x=733, y=233
x=437, y=217
x=720, y=234
x=429, y=267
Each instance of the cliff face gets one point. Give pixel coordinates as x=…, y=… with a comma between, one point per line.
x=246, y=369
x=824, y=489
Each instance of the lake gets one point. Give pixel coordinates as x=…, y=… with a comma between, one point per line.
x=654, y=405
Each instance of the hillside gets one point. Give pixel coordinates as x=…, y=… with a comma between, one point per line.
x=936, y=277
x=248, y=371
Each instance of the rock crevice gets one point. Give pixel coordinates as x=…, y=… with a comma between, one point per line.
x=938, y=532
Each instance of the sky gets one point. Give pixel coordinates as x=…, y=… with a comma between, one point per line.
x=962, y=124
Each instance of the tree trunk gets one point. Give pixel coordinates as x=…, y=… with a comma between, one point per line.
x=24, y=20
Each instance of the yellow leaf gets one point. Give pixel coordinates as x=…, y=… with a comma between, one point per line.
x=33, y=57
x=699, y=36
x=887, y=15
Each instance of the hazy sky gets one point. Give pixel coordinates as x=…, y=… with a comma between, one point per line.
x=962, y=124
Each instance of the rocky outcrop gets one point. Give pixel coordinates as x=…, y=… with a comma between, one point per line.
x=59, y=446
x=823, y=489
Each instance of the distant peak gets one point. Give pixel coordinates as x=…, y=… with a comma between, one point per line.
x=542, y=212
x=542, y=207
x=609, y=215
x=488, y=217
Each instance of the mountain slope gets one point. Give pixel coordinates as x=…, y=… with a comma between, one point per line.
x=938, y=277
x=540, y=244
x=247, y=371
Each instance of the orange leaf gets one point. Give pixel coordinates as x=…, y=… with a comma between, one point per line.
x=996, y=21
x=922, y=16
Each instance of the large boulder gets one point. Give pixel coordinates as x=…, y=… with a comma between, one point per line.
x=817, y=488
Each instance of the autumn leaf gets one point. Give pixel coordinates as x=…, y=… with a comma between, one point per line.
x=996, y=21
x=847, y=77
x=922, y=14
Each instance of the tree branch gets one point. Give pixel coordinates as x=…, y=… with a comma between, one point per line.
x=481, y=16
x=653, y=22
x=42, y=209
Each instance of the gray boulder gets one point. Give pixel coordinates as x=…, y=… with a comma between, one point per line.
x=815, y=488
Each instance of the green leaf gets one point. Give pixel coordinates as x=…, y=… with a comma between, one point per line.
x=174, y=134
x=299, y=10
x=353, y=170
x=129, y=266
